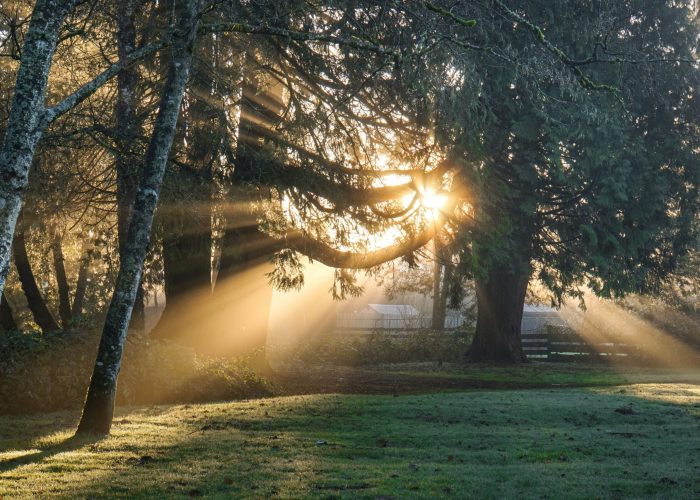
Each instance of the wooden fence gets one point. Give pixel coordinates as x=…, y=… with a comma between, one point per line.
x=555, y=343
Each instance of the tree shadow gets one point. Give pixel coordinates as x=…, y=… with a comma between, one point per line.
x=384, y=446
x=69, y=444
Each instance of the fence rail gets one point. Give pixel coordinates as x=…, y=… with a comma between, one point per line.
x=563, y=344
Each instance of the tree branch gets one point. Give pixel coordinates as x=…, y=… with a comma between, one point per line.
x=93, y=85
x=300, y=36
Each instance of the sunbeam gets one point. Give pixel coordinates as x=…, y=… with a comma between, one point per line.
x=609, y=327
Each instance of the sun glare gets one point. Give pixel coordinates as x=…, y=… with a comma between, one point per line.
x=433, y=200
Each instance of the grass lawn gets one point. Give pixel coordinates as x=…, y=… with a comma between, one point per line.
x=420, y=378
x=547, y=373
x=606, y=442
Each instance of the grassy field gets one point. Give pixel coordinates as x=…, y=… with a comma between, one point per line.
x=605, y=442
x=417, y=378
x=555, y=374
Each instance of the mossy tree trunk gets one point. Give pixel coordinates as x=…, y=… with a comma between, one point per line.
x=28, y=117
x=99, y=404
x=127, y=131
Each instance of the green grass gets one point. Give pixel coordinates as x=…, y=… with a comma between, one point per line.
x=554, y=374
x=551, y=443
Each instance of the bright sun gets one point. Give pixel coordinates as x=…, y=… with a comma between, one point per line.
x=433, y=200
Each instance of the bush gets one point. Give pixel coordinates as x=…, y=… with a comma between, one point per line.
x=51, y=372
x=383, y=347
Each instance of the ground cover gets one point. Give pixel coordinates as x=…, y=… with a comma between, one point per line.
x=639, y=440
x=423, y=377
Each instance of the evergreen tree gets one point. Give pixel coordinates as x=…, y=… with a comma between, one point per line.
x=574, y=187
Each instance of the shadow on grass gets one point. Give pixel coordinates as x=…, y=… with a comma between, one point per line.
x=555, y=442
x=37, y=455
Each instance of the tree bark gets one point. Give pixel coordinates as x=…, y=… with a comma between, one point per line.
x=27, y=119
x=242, y=293
x=500, y=300
x=187, y=273
x=7, y=321
x=438, y=320
x=40, y=311
x=127, y=132
x=81, y=285
x=64, y=308
x=99, y=404
x=444, y=293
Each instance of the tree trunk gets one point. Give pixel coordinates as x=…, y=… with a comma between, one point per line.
x=187, y=273
x=242, y=295
x=7, y=322
x=99, y=404
x=444, y=293
x=27, y=119
x=81, y=285
x=438, y=317
x=441, y=284
x=500, y=300
x=64, y=309
x=40, y=311
x=127, y=129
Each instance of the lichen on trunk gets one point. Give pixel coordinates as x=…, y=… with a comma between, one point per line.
x=99, y=404
x=28, y=117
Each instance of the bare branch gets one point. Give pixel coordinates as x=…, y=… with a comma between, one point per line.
x=93, y=85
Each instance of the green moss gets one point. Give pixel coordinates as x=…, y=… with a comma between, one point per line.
x=467, y=23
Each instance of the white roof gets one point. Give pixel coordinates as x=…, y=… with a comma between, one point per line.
x=539, y=309
x=402, y=310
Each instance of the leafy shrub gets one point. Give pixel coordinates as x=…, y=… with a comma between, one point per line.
x=50, y=372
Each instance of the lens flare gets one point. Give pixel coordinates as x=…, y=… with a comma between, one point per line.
x=433, y=200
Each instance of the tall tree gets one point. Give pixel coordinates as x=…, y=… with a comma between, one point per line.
x=127, y=132
x=568, y=186
x=99, y=404
x=27, y=119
